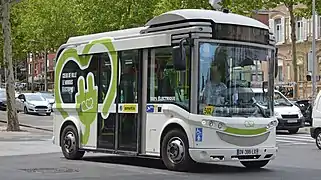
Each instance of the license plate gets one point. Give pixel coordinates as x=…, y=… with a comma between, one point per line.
x=292, y=121
x=241, y=152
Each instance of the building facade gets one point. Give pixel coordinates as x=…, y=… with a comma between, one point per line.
x=39, y=69
x=279, y=22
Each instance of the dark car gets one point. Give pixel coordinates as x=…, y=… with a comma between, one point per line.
x=3, y=100
x=306, y=109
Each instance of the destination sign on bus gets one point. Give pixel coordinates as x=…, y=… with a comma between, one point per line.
x=241, y=33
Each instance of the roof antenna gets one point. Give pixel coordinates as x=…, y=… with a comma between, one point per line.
x=225, y=10
x=217, y=6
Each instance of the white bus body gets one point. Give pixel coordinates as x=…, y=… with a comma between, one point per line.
x=180, y=136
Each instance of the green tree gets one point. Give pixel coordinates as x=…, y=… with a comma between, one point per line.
x=13, y=123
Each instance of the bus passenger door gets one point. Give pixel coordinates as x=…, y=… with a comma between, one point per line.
x=128, y=94
x=106, y=120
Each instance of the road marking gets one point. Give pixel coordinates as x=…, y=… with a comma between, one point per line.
x=295, y=139
x=300, y=139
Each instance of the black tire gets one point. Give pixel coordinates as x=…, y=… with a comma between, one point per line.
x=293, y=131
x=318, y=138
x=25, y=110
x=75, y=153
x=185, y=163
x=48, y=114
x=255, y=164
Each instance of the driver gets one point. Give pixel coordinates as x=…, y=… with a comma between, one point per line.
x=214, y=86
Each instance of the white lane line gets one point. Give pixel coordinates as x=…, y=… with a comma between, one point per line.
x=295, y=136
x=295, y=139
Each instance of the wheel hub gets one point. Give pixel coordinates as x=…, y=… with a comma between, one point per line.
x=175, y=150
x=70, y=142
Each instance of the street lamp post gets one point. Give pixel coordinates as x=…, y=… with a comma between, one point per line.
x=314, y=64
x=46, y=64
x=33, y=58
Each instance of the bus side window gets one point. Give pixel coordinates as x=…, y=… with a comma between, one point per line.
x=68, y=81
x=104, y=76
x=165, y=84
x=128, y=77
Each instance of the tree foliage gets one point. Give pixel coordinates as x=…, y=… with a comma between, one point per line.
x=43, y=24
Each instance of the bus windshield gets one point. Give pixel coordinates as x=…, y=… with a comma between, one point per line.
x=225, y=79
x=279, y=99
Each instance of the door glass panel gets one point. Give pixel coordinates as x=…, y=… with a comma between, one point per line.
x=106, y=127
x=127, y=93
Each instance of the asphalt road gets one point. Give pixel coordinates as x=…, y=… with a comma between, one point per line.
x=297, y=162
x=41, y=121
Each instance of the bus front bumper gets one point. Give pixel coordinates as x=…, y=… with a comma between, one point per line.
x=220, y=155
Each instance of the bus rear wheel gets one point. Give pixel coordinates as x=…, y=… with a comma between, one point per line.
x=254, y=164
x=318, y=139
x=174, y=151
x=70, y=143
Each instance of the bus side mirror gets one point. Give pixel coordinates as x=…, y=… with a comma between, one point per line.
x=179, y=57
x=276, y=65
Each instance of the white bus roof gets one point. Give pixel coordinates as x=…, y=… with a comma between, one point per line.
x=172, y=16
x=216, y=16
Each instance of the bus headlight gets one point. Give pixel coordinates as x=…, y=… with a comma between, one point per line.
x=214, y=124
x=272, y=124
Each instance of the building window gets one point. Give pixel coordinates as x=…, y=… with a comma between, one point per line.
x=300, y=72
x=280, y=73
x=278, y=30
x=288, y=71
x=299, y=29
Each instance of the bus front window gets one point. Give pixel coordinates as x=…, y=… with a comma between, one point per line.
x=225, y=77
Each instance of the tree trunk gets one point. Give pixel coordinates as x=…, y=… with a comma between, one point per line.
x=13, y=123
x=293, y=44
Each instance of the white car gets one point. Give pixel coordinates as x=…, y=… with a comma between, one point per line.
x=33, y=103
x=289, y=116
x=49, y=97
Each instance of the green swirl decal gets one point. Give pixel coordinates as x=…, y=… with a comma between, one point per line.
x=87, y=99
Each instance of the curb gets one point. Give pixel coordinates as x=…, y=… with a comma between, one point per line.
x=29, y=126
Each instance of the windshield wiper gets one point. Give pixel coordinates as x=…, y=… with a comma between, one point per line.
x=262, y=111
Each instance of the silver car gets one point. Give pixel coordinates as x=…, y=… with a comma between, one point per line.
x=49, y=97
x=34, y=103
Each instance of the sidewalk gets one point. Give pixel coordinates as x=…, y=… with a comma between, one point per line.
x=28, y=141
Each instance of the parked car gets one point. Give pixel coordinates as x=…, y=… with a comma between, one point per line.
x=289, y=116
x=49, y=97
x=33, y=103
x=315, y=130
x=306, y=108
x=3, y=100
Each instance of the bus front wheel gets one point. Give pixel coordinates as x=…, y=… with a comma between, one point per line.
x=174, y=151
x=254, y=164
x=70, y=143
